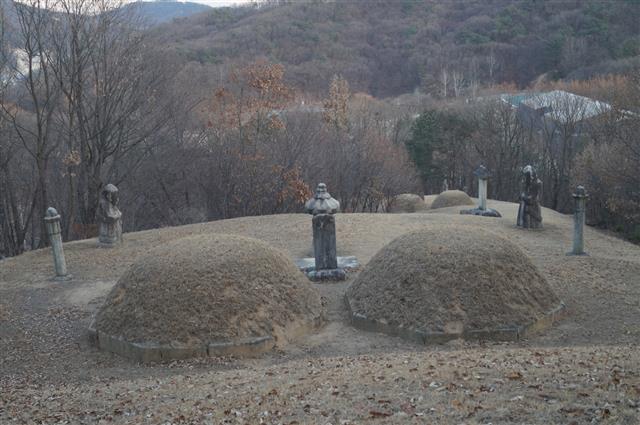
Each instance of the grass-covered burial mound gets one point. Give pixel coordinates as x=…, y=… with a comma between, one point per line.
x=407, y=203
x=444, y=283
x=206, y=295
x=451, y=198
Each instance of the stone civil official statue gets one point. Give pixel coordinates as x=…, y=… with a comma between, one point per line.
x=109, y=217
x=529, y=213
x=323, y=207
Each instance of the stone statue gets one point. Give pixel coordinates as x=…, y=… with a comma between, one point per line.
x=322, y=202
x=529, y=213
x=109, y=217
x=323, y=207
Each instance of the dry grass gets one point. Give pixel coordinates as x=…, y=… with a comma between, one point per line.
x=428, y=200
x=451, y=198
x=210, y=288
x=583, y=370
x=451, y=279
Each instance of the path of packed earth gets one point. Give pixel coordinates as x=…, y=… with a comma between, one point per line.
x=583, y=370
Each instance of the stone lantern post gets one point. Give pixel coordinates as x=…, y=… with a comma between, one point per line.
x=580, y=198
x=323, y=208
x=483, y=174
x=52, y=223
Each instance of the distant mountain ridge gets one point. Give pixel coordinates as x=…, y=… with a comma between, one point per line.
x=152, y=12
x=157, y=12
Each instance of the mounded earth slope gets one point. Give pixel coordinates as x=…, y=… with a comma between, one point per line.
x=451, y=198
x=407, y=203
x=210, y=288
x=451, y=280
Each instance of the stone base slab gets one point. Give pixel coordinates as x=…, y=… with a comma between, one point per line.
x=489, y=212
x=151, y=352
x=308, y=264
x=360, y=321
x=326, y=275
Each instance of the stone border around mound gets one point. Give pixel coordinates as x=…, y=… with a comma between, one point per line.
x=360, y=321
x=150, y=352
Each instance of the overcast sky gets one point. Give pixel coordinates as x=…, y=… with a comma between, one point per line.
x=217, y=3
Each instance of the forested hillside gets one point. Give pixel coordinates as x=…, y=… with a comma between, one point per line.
x=387, y=48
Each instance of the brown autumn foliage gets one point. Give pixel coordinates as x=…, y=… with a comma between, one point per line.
x=260, y=150
x=609, y=165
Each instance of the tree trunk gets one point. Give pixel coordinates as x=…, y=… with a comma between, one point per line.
x=93, y=193
x=42, y=202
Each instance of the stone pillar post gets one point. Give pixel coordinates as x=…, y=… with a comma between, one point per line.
x=483, y=177
x=482, y=193
x=323, y=207
x=52, y=222
x=580, y=199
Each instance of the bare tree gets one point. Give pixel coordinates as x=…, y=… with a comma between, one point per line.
x=609, y=165
x=36, y=88
x=444, y=81
x=458, y=80
x=562, y=130
x=111, y=85
x=492, y=64
x=12, y=226
x=501, y=143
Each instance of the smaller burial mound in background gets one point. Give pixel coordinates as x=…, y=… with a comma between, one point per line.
x=407, y=203
x=451, y=198
x=450, y=282
x=210, y=294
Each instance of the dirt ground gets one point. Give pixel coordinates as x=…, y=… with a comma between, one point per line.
x=583, y=370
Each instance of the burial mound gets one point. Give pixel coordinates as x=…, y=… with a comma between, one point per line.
x=451, y=198
x=407, y=203
x=206, y=295
x=451, y=282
